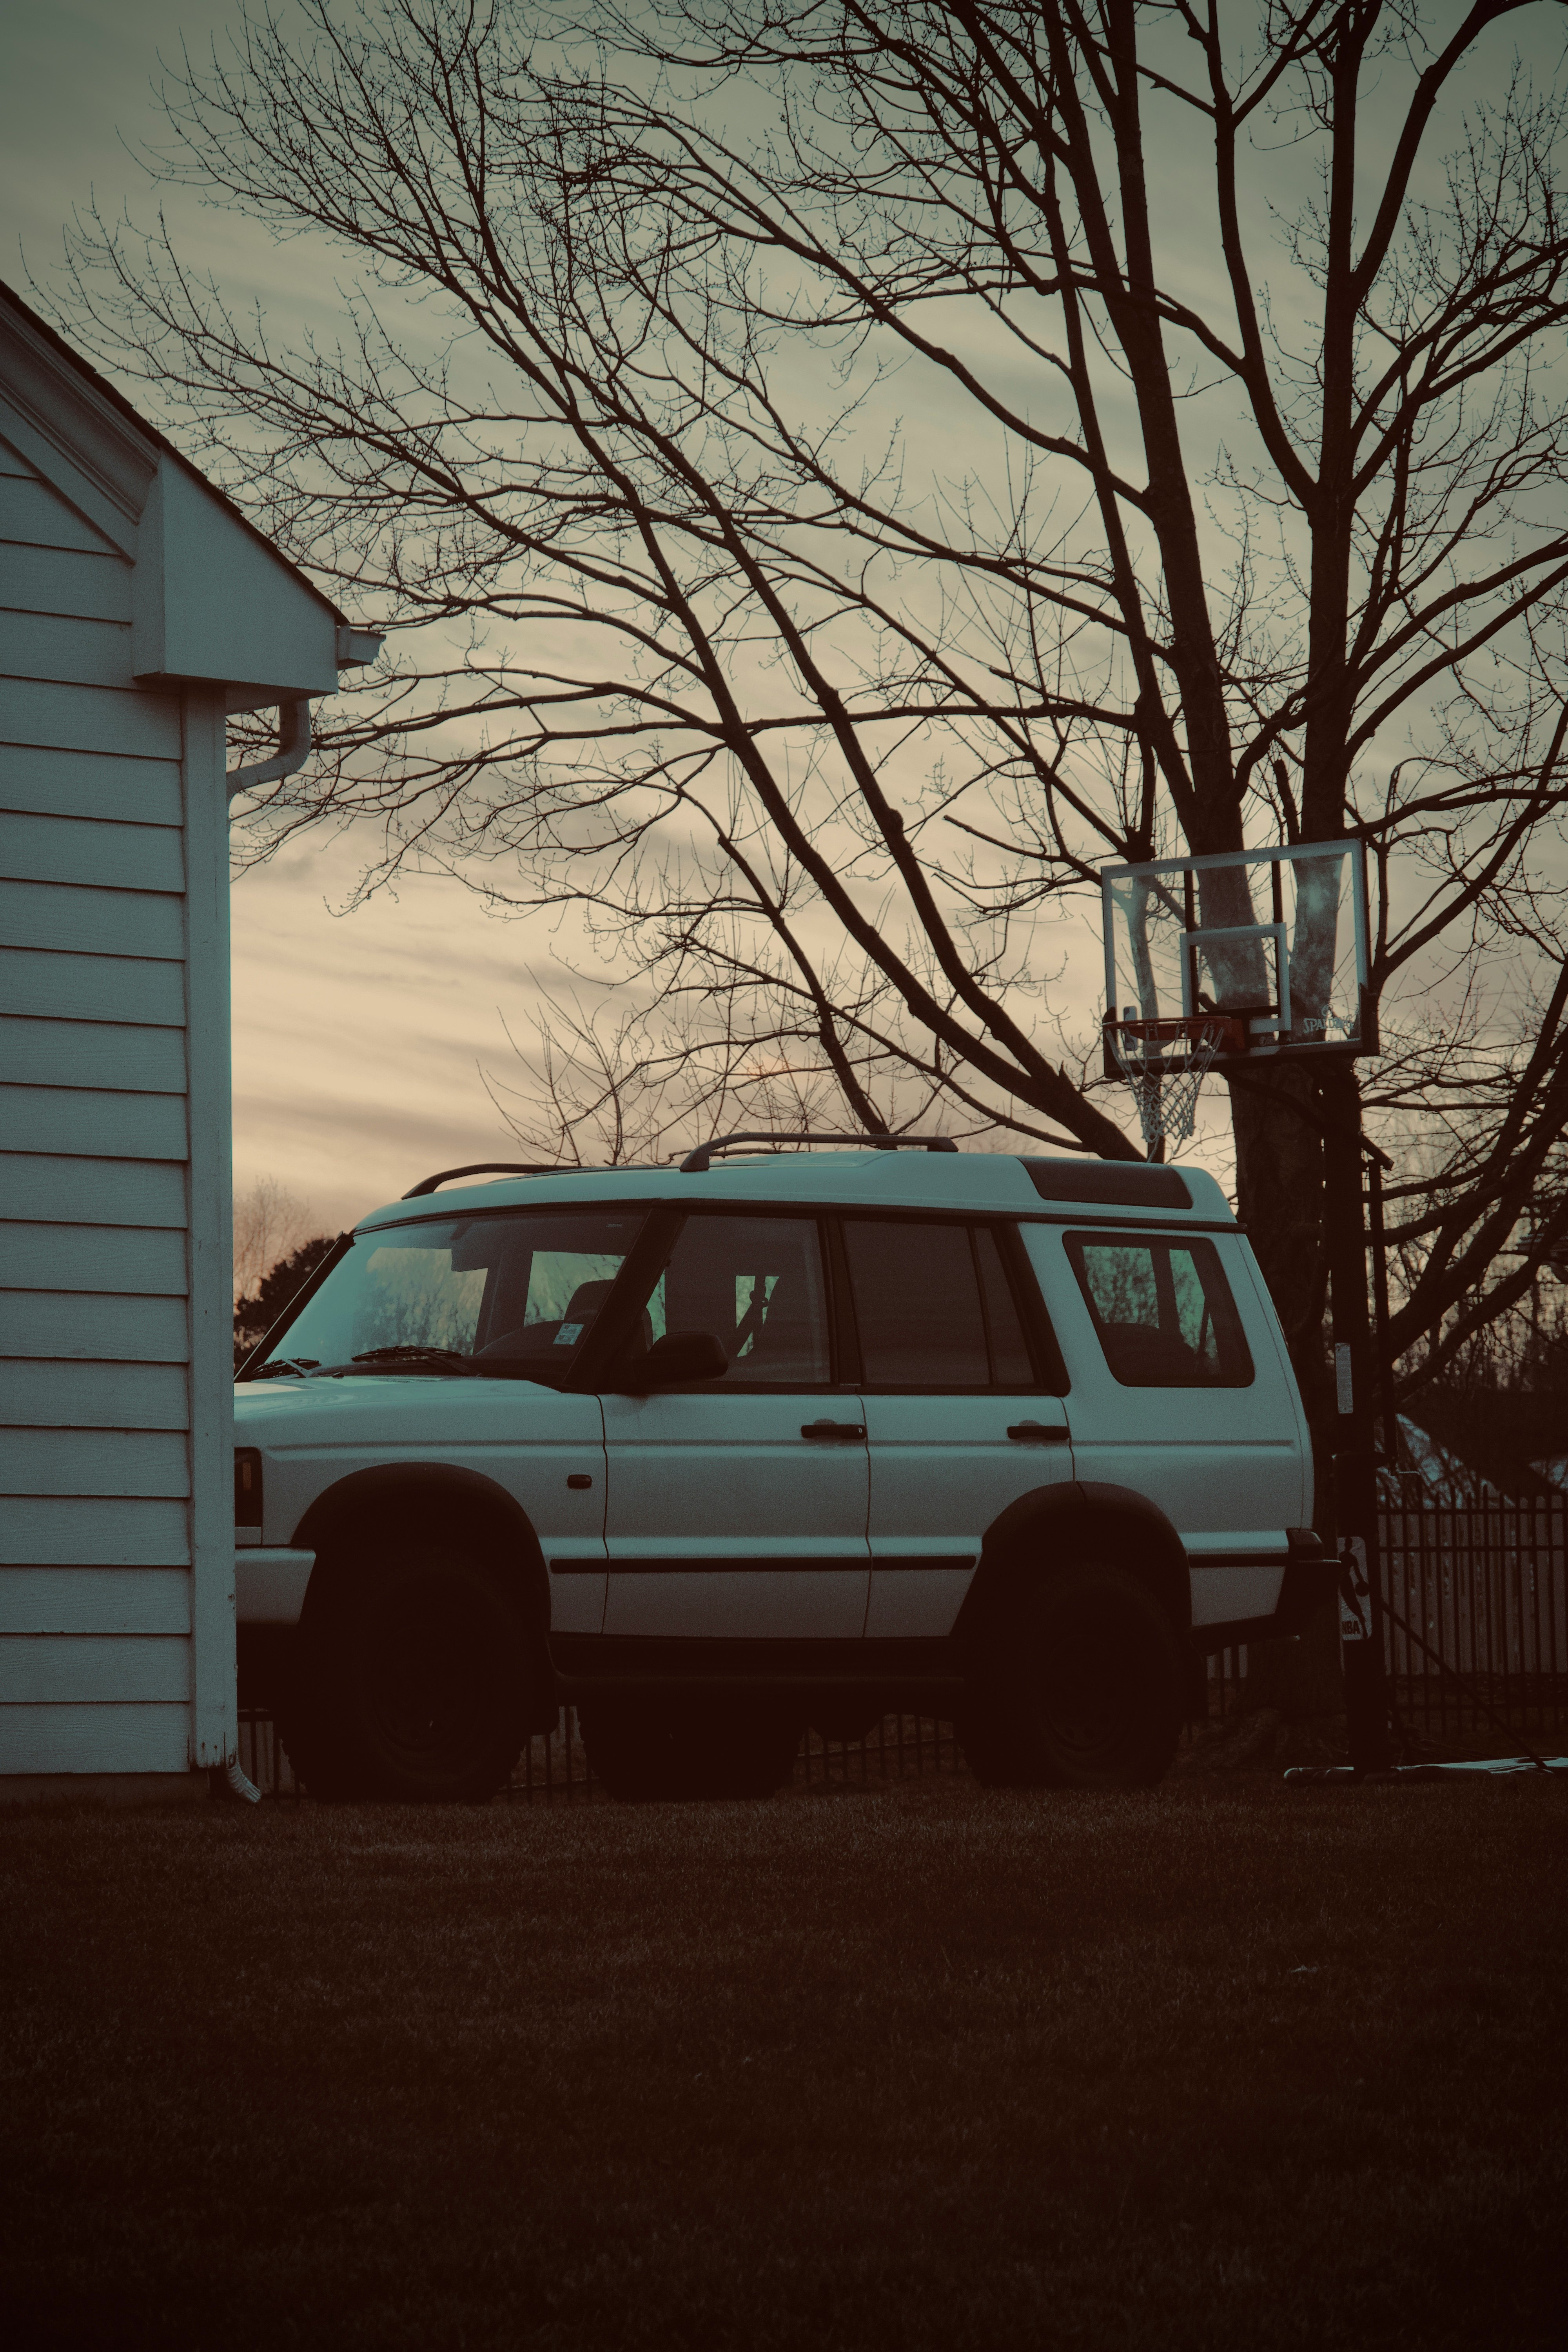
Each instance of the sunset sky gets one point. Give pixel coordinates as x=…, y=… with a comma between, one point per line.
x=359, y=1039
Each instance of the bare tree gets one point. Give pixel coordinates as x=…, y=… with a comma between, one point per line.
x=603, y=1082
x=269, y=1223
x=1225, y=505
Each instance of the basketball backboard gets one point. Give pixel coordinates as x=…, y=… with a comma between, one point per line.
x=1275, y=938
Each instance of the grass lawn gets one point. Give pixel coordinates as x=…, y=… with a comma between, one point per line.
x=1223, y=2066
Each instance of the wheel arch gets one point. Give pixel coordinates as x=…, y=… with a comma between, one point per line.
x=1073, y=1519
x=458, y=1499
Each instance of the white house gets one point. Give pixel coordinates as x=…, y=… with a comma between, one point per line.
x=137, y=610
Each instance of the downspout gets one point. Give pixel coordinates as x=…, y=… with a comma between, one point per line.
x=293, y=749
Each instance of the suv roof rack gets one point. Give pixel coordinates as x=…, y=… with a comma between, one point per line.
x=480, y=1168
x=697, y=1162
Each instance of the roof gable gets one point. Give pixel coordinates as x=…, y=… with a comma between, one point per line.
x=213, y=602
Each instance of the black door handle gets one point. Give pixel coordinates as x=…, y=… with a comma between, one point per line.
x=1038, y=1433
x=855, y=1429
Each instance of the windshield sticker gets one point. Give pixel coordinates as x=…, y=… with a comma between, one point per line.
x=568, y=1334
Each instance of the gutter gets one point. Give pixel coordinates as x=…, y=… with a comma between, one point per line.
x=293, y=751
x=356, y=649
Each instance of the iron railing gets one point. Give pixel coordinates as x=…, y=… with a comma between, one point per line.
x=553, y=1767
x=1476, y=1621
x=1476, y=1632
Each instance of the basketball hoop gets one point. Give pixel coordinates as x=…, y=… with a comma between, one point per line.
x=1165, y=1062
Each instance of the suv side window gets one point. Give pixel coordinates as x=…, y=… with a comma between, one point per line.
x=934, y=1308
x=757, y=1284
x=1163, y=1310
x=1010, y=1364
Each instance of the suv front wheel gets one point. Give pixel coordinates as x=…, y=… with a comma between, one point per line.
x=1085, y=1690
x=414, y=1678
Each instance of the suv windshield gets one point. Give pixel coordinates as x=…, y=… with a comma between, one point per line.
x=512, y=1296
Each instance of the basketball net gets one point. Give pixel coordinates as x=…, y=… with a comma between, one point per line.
x=1166, y=1072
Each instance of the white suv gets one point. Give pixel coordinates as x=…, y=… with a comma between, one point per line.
x=718, y=1451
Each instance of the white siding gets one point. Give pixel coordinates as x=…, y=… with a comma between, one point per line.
x=55, y=1668
x=94, y=1122
x=34, y=515
x=65, y=1052
x=136, y=607
x=54, y=645
x=58, y=1463
x=65, y=717
x=96, y=1615
x=43, y=1185
x=91, y=988
x=121, y=1257
x=94, y=1531
x=78, y=1599
x=91, y=587
x=84, y=784
x=79, y=1327
x=91, y=922
x=76, y=849
x=105, y=1735
x=37, y=1394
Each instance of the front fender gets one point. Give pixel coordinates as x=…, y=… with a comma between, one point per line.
x=458, y=1493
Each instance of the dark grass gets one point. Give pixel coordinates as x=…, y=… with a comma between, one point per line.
x=1224, y=2066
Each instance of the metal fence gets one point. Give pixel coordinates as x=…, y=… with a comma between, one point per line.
x=901, y=1746
x=1475, y=1642
x=1476, y=1636
x=555, y=1767
x=1476, y=1624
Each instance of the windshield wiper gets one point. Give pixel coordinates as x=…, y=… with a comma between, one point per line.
x=446, y=1355
x=300, y=1366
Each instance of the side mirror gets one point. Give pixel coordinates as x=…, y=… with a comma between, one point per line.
x=682, y=1355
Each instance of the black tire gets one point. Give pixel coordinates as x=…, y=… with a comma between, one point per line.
x=644, y=1750
x=1086, y=1689
x=416, y=1681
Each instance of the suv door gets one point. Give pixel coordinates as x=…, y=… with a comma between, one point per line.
x=963, y=1415
x=737, y=1506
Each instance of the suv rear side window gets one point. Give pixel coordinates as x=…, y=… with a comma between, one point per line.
x=1163, y=1311
x=935, y=1306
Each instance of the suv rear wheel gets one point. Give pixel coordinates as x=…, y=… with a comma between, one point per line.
x=1089, y=1693
x=415, y=1679
x=650, y=1747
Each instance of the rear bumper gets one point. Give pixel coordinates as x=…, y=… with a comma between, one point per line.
x=1311, y=1582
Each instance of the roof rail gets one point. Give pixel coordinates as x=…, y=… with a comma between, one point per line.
x=482, y=1167
x=697, y=1162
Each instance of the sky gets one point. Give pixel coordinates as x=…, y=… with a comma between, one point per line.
x=358, y=1039
x=361, y=1040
